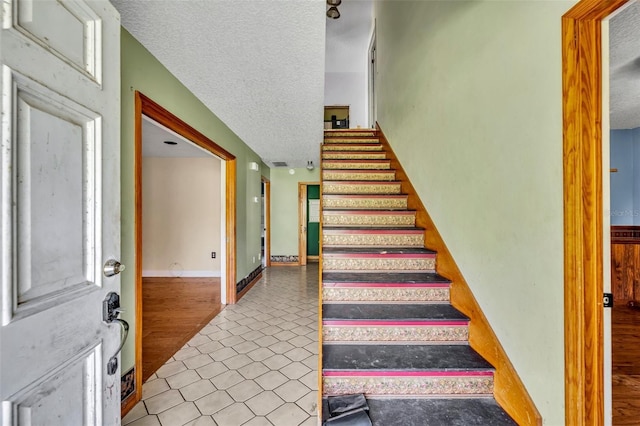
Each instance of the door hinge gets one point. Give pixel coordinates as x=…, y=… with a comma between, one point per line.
x=607, y=300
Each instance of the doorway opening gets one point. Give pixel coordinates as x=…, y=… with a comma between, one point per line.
x=372, y=68
x=147, y=112
x=265, y=223
x=181, y=240
x=309, y=222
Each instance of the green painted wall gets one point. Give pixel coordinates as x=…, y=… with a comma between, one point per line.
x=142, y=72
x=284, y=208
x=469, y=95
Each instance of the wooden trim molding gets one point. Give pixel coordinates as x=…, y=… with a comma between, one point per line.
x=138, y=246
x=231, y=173
x=267, y=221
x=509, y=391
x=319, y=368
x=147, y=107
x=583, y=210
x=625, y=234
x=302, y=225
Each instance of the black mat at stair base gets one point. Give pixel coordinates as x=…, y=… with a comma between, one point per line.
x=336, y=357
x=398, y=312
x=376, y=250
x=435, y=412
x=384, y=277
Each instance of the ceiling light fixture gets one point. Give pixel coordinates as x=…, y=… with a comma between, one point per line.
x=333, y=13
x=334, y=2
x=310, y=165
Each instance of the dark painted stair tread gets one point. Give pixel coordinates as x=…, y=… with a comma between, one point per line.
x=434, y=412
x=376, y=250
x=387, y=277
x=396, y=312
x=405, y=358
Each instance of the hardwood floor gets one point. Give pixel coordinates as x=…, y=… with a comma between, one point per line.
x=173, y=311
x=626, y=365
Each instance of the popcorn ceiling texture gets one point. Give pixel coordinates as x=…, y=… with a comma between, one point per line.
x=257, y=65
x=624, y=65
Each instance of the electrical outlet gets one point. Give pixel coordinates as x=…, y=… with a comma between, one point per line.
x=254, y=259
x=213, y=254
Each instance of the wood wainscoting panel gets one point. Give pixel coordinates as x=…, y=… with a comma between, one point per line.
x=625, y=263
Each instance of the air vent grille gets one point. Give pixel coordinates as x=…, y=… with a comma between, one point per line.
x=279, y=164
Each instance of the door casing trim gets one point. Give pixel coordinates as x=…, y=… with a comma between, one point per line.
x=145, y=106
x=583, y=210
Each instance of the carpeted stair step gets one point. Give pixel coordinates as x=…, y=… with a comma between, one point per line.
x=382, y=218
x=481, y=411
x=372, y=175
x=350, y=139
x=372, y=237
x=405, y=370
x=409, y=259
x=363, y=287
x=354, y=155
x=350, y=133
x=360, y=187
x=360, y=201
x=356, y=164
x=376, y=323
x=352, y=147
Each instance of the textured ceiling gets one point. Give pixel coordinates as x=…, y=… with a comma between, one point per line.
x=624, y=68
x=257, y=64
x=153, y=136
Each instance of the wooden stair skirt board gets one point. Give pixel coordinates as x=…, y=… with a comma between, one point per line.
x=398, y=319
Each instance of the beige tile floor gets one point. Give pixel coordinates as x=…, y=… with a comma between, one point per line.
x=254, y=364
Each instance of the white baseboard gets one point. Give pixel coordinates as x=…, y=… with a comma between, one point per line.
x=182, y=274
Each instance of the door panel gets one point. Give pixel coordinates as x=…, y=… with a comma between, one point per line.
x=60, y=207
x=69, y=30
x=57, y=176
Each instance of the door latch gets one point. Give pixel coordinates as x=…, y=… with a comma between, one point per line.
x=607, y=300
x=110, y=311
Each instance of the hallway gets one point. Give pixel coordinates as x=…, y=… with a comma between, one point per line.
x=254, y=364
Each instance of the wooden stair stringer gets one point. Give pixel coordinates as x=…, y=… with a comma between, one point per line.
x=509, y=391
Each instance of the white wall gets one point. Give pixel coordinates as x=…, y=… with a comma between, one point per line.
x=470, y=98
x=181, y=217
x=346, y=60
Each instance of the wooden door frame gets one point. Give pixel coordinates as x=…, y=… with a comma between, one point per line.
x=583, y=210
x=147, y=107
x=267, y=220
x=302, y=221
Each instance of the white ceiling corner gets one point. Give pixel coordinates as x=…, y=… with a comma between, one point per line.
x=258, y=65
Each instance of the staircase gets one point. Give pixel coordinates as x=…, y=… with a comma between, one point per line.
x=388, y=329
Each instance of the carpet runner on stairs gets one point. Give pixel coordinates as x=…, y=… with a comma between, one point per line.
x=388, y=329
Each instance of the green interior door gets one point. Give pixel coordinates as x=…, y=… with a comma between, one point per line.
x=313, y=220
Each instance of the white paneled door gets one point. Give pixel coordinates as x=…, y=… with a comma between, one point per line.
x=60, y=209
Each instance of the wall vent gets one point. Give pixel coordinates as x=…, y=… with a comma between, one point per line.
x=279, y=164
